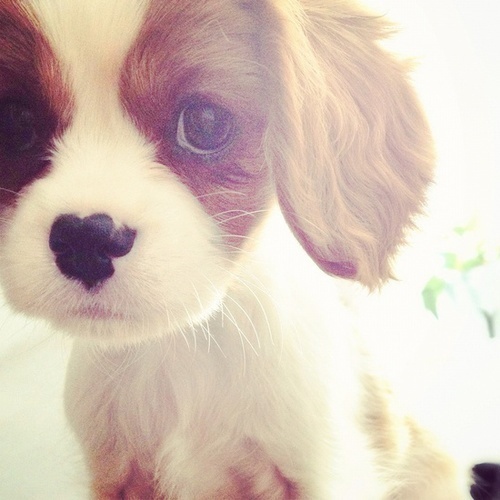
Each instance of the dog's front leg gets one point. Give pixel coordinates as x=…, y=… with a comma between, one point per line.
x=116, y=480
x=102, y=412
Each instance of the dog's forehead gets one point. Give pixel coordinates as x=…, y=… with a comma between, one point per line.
x=101, y=33
x=89, y=32
x=95, y=43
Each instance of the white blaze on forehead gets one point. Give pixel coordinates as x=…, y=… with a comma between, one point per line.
x=90, y=39
x=100, y=29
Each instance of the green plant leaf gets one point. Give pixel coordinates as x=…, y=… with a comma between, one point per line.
x=431, y=293
x=490, y=324
x=461, y=230
x=477, y=261
x=451, y=260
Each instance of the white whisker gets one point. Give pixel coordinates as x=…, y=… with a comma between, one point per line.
x=217, y=193
x=251, y=323
x=239, y=213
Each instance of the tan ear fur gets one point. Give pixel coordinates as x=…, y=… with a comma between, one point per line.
x=349, y=145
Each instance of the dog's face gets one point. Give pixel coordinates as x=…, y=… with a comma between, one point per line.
x=133, y=128
x=142, y=142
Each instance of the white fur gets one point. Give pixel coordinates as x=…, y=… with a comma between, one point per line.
x=240, y=376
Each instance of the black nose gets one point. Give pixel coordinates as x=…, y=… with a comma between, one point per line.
x=85, y=248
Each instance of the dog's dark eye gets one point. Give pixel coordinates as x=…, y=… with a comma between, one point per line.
x=204, y=128
x=18, y=132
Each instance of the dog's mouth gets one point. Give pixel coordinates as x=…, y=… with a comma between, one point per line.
x=98, y=313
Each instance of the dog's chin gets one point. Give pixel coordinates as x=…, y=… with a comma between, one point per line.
x=119, y=316
x=111, y=331
x=109, y=328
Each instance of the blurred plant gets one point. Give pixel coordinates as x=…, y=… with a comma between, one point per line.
x=467, y=256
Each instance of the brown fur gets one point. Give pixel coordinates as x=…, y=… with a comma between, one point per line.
x=29, y=73
x=349, y=144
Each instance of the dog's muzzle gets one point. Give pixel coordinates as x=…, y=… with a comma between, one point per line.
x=84, y=249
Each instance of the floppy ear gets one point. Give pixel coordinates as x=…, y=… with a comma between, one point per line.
x=348, y=143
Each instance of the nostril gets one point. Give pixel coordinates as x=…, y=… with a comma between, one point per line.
x=120, y=243
x=84, y=248
x=64, y=235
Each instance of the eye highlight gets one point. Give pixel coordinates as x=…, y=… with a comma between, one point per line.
x=18, y=127
x=204, y=128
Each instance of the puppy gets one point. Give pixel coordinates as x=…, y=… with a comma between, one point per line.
x=144, y=148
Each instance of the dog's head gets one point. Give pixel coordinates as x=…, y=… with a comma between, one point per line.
x=142, y=142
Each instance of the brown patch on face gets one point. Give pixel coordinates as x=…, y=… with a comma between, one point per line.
x=193, y=86
x=34, y=102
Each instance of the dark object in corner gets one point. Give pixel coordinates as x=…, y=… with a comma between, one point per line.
x=486, y=482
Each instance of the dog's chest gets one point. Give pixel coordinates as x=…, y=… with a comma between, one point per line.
x=182, y=412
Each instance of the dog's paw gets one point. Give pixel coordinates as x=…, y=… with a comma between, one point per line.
x=486, y=485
